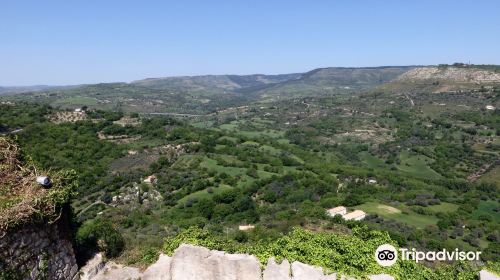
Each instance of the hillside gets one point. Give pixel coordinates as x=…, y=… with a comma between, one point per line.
x=333, y=80
x=445, y=78
x=206, y=94
x=205, y=85
x=421, y=166
x=21, y=89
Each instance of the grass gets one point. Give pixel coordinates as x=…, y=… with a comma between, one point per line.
x=270, y=150
x=203, y=194
x=145, y=143
x=486, y=208
x=228, y=138
x=258, y=134
x=444, y=207
x=492, y=176
x=417, y=166
x=393, y=213
x=203, y=124
x=283, y=141
x=371, y=161
x=251, y=143
x=229, y=126
x=212, y=165
x=264, y=174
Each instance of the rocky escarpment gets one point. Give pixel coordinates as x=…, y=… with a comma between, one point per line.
x=452, y=74
x=197, y=263
x=444, y=79
x=38, y=251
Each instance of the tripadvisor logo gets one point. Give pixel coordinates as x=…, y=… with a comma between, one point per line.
x=387, y=255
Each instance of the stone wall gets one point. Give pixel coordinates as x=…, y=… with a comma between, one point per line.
x=39, y=251
x=198, y=263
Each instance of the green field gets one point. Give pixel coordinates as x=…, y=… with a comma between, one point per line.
x=492, y=176
x=486, y=208
x=416, y=165
x=269, y=149
x=444, y=207
x=393, y=213
x=228, y=138
x=263, y=133
x=203, y=194
x=212, y=165
x=371, y=161
x=203, y=124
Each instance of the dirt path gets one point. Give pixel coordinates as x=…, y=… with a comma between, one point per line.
x=485, y=168
x=89, y=206
x=411, y=100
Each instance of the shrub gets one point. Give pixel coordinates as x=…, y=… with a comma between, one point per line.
x=99, y=235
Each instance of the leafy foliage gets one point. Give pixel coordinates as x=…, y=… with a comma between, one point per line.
x=99, y=235
x=344, y=254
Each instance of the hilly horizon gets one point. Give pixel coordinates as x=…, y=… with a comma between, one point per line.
x=250, y=140
x=208, y=93
x=248, y=79
x=15, y=88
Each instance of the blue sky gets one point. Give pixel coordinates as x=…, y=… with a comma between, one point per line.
x=73, y=42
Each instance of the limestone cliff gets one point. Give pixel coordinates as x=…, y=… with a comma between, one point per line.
x=197, y=263
x=444, y=79
x=38, y=251
x=35, y=242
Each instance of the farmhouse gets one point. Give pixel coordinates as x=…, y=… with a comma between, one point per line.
x=356, y=215
x=339, y=210
x=246, y=227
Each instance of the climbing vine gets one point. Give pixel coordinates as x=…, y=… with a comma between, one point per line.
x=345, y=254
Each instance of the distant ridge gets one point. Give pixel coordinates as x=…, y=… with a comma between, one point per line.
x=445, y=78
x=207, y=93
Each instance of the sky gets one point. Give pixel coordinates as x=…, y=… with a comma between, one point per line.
x=91, y=41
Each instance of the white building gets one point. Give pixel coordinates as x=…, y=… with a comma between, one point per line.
x=246, y=227
x=372, y=181
x=339, y=210
x=150, y=179
x=490, y=107
x=356, y=215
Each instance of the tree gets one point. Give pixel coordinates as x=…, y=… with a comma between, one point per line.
x=205, y=207
x=99, y=235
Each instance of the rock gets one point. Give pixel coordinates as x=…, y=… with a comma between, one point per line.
x=276, y=271
x=92, y=267
x=343, y=277
x=198, y=263
x=160, y=270
x=302, y=271
x=486, y=275
x=40, y=248
x=113, y=271
x=381, y=277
